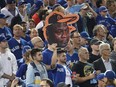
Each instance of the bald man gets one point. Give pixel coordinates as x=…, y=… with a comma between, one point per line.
x=84, y=70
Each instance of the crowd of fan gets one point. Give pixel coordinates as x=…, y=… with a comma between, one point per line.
x=28, y=60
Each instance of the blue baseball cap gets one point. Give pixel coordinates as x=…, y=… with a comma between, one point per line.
x=21, y=3
x=10, y=1
x=110, y=74
x=102, y=8
x=2, y=16
x=38, y=4
x=25, y=49
x=62, y=3
x=2, y=38
x=100, y=76
x=85, y=35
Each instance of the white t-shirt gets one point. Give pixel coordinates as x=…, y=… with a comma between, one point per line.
x=68, y=79
x=8, y=65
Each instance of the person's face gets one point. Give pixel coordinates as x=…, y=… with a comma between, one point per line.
x=12, y=6
x=44, y=84
x=38, y=57
x=61, y=34
x=101, y=32
x=31, y=25
x=62, y=57
x=69, y=46
x=104, y=2
x=85, y=55
x=17, y=31
x=76, y=38
x=84, y=12
x=103, y=13
x=112, y=7
x=2, y=21
x=21, y=8
x=95, y=47
x=39, y=43
x=24, y=25
x=84, y=41
x=4, y=44
x=106, y=51
x=33, y=33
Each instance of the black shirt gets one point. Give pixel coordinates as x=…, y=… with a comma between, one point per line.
x=93, y=57
x=83, y=69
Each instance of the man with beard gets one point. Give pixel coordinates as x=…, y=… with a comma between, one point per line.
x=61, y=72
x=37, y=70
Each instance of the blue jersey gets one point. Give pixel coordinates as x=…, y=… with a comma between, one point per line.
x=60, y=74
x=27, y=38
x=5, y=31
x=16, y=47
x=47, y=58
x=72, y=58
x=106, y=21
x=22, y=71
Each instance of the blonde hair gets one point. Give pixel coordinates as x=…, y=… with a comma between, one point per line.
x=102, y=46
x=17, y=26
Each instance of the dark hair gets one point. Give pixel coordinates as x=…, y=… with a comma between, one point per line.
x=34, y=51
x=49, y=82
x=31, y=20
x=42, y=14
x=72, y=33
x=98, y=3
x=109, y=2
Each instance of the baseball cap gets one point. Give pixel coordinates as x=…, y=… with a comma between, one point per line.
x=62, y=84
x=84, y=6
x=2, y=38
x=38, y=4
x=110, y=74
x=25, y=49
x=102, y=8
x=21, y=3
x=100, y=76
x=58, y=17
x=95, y=42
x=2, y=16
x=85, y=35
x=10, y=1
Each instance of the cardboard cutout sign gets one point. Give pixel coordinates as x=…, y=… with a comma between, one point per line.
x=57, y=27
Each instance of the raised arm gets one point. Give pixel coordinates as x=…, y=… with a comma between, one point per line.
x=54, y=57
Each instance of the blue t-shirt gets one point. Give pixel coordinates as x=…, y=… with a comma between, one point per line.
x=106, y=21
x=59, y=74
x=22, y=71
x=47, y=56
x=72, y=58
x=5, y=31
